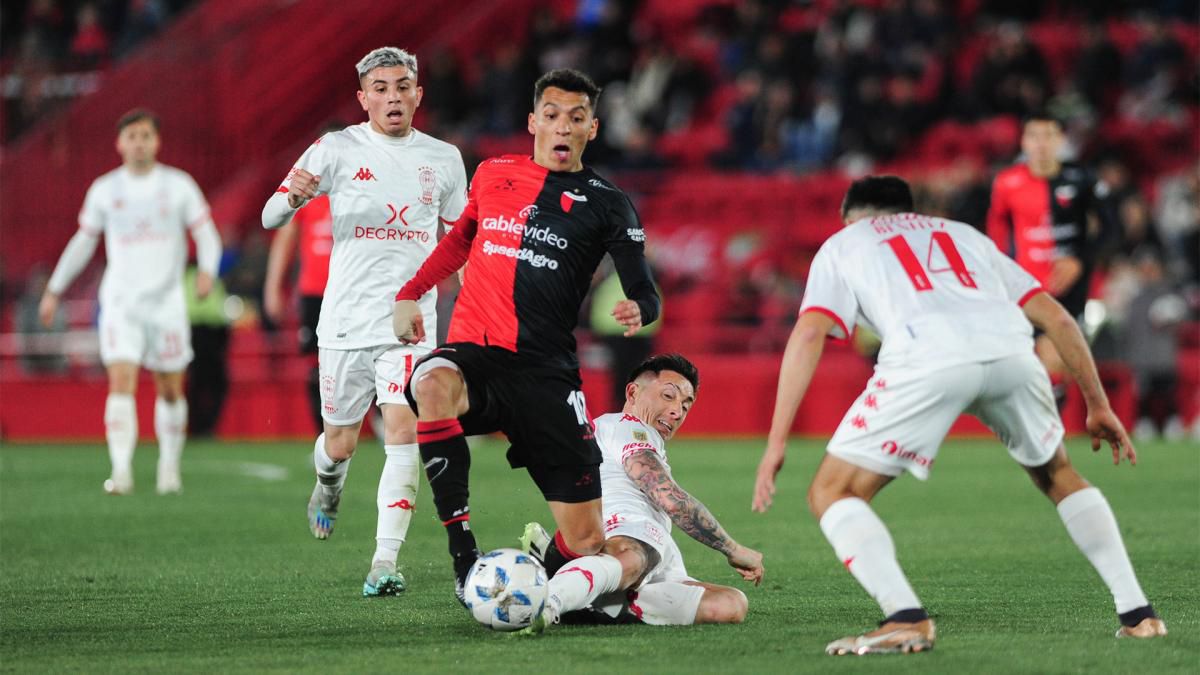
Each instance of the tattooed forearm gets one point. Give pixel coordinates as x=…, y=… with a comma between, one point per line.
x=685, y=511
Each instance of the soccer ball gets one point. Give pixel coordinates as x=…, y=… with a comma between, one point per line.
x=506, y=589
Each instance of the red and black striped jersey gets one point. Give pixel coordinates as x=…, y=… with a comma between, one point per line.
x=532, y=239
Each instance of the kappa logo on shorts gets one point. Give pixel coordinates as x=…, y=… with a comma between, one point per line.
x=858, y=422
x=584, y=480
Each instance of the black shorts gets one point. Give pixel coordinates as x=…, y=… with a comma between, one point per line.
x=539, y=408
x=310, y=314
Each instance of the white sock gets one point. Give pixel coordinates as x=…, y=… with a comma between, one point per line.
x=170, y=427
x=865, y=547
x=581, y=580
x=396, y=498
x=330, y=474
x=121, y=430
x=1093, y=528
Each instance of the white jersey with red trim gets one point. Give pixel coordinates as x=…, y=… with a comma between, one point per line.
x=619, y=435
x=144, y=220
x=386, y=196
x=936, y=291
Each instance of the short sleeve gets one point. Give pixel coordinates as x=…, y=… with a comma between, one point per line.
x=828, y=292
x=91, y=215
x=195, y=207
x=319, y=160
x=631, y=436
x=454, y=194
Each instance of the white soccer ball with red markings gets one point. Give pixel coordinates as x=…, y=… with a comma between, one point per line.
x=506, y=589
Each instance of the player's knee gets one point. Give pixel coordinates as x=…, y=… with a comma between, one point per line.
x=585, y=543
x=341, y=443
x=722, y=605
x=437, y=388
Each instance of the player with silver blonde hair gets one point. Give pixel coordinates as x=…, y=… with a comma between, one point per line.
x=390, y=188
x=386, y=57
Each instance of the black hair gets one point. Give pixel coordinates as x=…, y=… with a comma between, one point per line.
x=887, y=194
x=137, y=115
x=567, y=79
x=1042, y=116
x=673, y=362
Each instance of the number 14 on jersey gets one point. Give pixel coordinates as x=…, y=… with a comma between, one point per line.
x=917, y=274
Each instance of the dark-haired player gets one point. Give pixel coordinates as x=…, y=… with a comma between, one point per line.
x=642, y=502
x=533, y=232
x=145, y=210
x=1039, y=217
x=954, y=316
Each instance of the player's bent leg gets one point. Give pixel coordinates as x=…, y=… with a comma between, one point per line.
x=637, y=558
x=590, y=573
x=440, y=393
x=720, y=604
x=839, y=497
x=121, y=425
x=331, y=460
x=170, y=427
x=1090, y=521
x=395, y=499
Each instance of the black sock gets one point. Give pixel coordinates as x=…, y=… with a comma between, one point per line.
x=557, y=555
x=1135, y=616
x=314, y=398
x=907, y=616
x=448, y=465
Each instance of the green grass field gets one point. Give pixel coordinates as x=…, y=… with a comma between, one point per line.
x=226, y=577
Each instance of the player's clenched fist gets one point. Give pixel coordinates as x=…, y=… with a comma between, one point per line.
x=748, y=563
x=302, y=187
x=407, y=322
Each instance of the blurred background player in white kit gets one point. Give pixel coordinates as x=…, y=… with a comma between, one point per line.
x=954, y=315
x=390, y=187
x=143, y=209
x=641, y=502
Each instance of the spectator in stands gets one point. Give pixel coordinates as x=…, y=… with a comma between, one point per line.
x=1094, y=68
x=1178, y=215
x=143, y=18
x=1151, y=347
x=1013, y=77
x=89, y=47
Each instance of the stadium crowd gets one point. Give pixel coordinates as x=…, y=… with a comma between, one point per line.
x=928, y=89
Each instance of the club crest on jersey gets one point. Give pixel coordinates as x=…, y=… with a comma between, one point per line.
x=1064, y=194
x=428, y=179
x=568, y=200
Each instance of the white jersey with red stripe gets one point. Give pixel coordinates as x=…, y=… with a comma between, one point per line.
x=937, y=292
x=619, y=435
x=144, y=220
x=386, y=196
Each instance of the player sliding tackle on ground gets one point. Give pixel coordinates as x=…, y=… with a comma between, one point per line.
x=948, y=307
x=641, y=502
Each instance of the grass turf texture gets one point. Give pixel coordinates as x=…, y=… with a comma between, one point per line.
x=227, y=578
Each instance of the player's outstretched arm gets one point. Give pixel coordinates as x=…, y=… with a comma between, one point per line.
x=800, y=359
x=1102, y=423
x=688, y=514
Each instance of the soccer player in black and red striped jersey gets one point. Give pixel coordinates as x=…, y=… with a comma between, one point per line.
x=534, y=230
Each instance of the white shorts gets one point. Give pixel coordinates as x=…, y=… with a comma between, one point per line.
x=899, y=422
x=670, y=565
x=350, y=378
x=160, y=342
